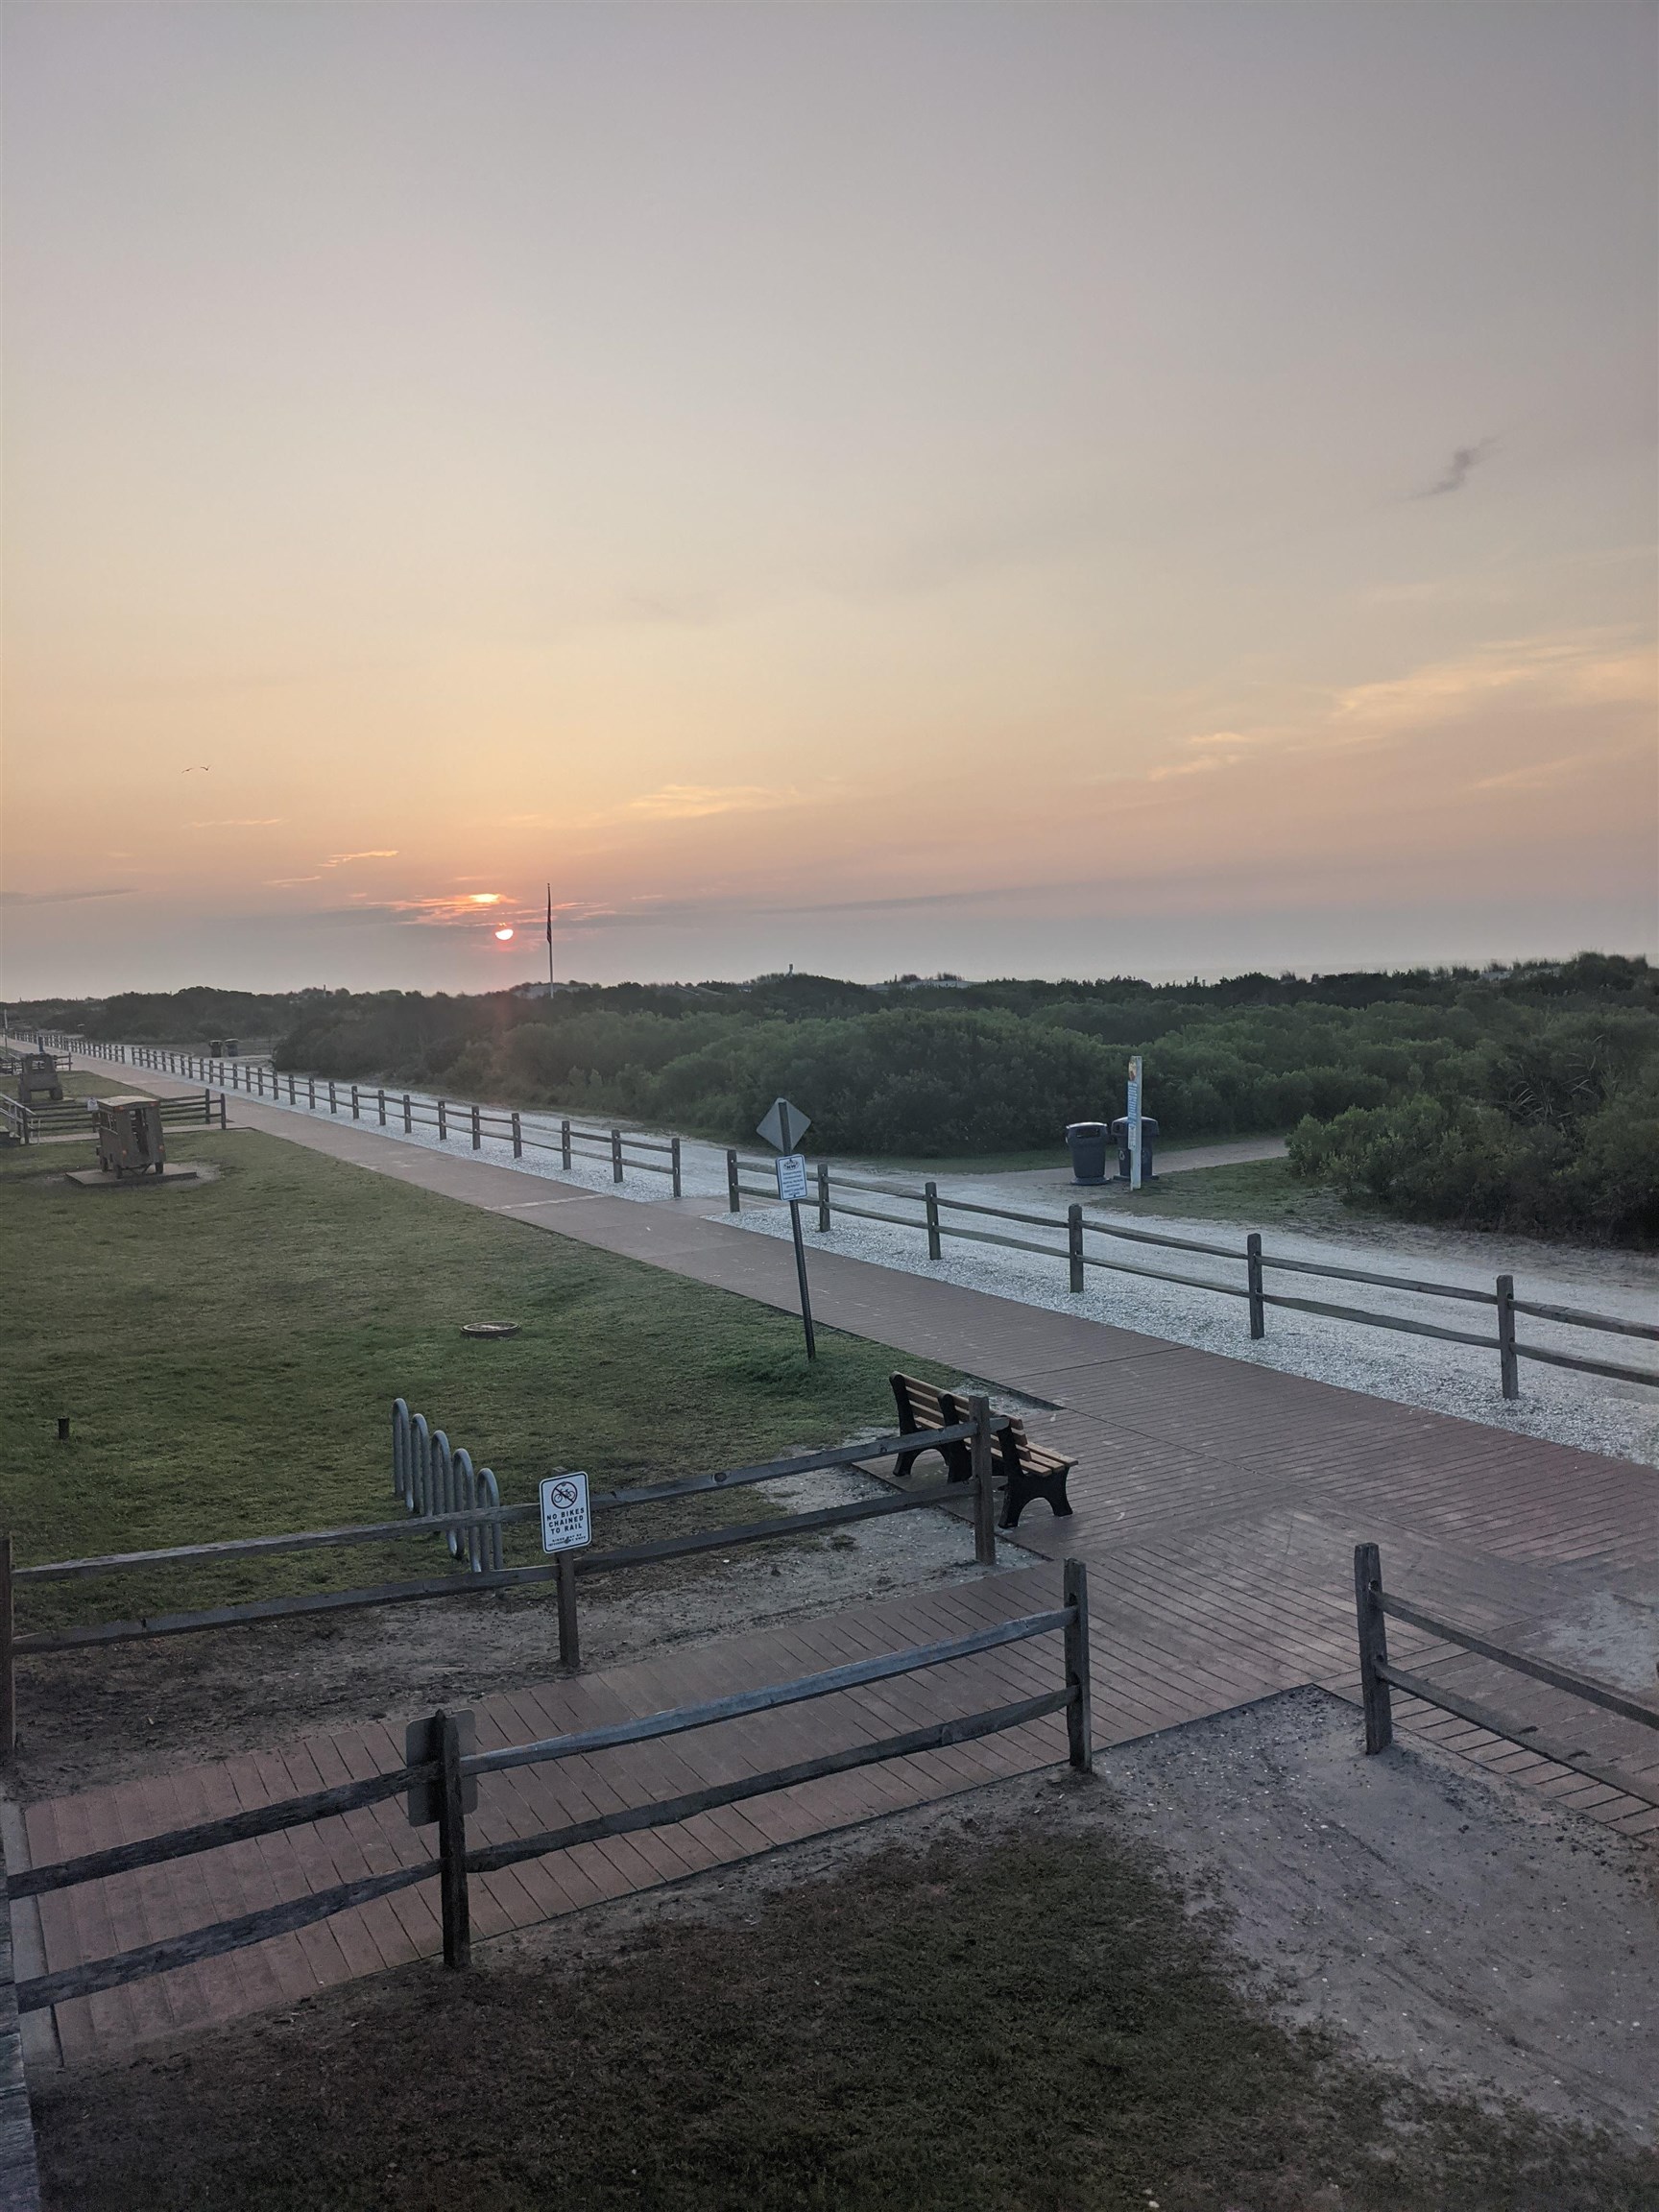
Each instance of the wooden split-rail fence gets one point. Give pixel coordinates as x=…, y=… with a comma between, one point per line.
x=932, y=1210
x=444, y=1495
x=1380, y=1678
x=441, y=1771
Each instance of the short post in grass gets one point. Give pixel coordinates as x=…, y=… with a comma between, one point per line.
x=452, y=1845
x=982, y=1460
x=1253, y=1279
x=1074, y=1246
x=734, y=1189
x=1079, y=1733
x=7, y=1670
x=674, y=1166
x=477, y=1132
x=207, y=1109
x=564, y=1145
x=1509, y=1364
x=931, y=1201
x=222, y=1124
x=615, y=1155
x=1373, y=1626
x=824, y=1197
x=517, y=1136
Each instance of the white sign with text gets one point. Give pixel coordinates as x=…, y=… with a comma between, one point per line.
x=792, y=1170
x=566, y=1523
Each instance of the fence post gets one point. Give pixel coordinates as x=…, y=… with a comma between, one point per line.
x=443, y=1122
x=1078, y=1730
x=408, y=1115
x=452, y=1845
x=930, y=1195
x=674, y=1166
x=356, y=1105
x=569, y=1633
x=1373, y=1647
x=517, y=1136
x=1074, y=1245
x=291, y=1099
x=8, y=1667
x=1509, y=1365
x=380, y=1104
x=615, y=1155
x=733, y=1195
x=979, y=1452
x=222, y=1120
x=207, y=1109
x=477, y=1132
x=333, y=1100
x=824, y=1197
x=311, y=1094
x=564, y=1146
x=1253, y=1277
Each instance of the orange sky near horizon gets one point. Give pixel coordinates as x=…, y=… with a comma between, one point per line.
x=1021, y=489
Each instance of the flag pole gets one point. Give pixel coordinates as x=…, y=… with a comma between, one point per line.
x=549, y=940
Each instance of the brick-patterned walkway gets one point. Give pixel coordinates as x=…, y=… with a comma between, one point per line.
x=1217, y=1506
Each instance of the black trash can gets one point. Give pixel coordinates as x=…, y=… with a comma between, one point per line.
x=1086, y=1141
x=1148, y=1136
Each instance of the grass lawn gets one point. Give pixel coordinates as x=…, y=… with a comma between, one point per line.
x=1255, y=1193
x=227, y=1354
x=1015, y=2022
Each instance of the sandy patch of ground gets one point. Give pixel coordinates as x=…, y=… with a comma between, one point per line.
x=1448, y=1925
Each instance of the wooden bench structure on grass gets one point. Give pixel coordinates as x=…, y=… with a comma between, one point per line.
x=1028, y=1470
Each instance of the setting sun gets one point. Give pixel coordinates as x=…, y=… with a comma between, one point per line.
x=503, y=935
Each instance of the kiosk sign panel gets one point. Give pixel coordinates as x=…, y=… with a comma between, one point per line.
x=792, y=1170
x=566, y=1523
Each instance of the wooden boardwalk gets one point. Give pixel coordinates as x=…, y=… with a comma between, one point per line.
x=1217, y=1505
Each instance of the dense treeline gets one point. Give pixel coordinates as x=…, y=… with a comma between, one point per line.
x=1525, y=1099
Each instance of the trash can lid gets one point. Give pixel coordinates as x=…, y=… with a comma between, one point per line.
x=1085, y=1128
x=1148, y=1124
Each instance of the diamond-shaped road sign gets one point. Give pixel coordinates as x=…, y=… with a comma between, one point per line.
x=783, y=1126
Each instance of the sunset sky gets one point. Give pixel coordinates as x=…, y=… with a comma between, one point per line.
x=1017, y=489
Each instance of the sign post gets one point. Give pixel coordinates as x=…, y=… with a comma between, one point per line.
x=782, y=1127
x=1135, y=1122
x=566, y=1529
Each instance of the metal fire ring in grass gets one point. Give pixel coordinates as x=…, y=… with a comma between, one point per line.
x=489, y=1327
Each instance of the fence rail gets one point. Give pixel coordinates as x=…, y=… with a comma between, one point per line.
x=78, y=1117
x=441, y=1779
x=1380, y=1678
x=471, y=1520
x=1079, y=1238
x=1075, y=1227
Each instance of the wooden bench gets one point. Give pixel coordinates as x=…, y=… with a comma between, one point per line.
x=1028, y=1470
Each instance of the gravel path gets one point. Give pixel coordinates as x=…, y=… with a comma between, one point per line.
x=1592, y=1413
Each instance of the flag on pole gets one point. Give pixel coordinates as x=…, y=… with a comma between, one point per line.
x=549, y=913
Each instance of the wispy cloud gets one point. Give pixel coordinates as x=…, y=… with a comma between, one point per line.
x=57, y=898
x=340, y=860
x=692, y=801
x=1455, y=473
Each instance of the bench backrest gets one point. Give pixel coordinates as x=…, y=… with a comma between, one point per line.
x=922, y=1407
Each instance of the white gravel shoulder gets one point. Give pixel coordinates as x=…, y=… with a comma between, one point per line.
x=1595, y=1413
